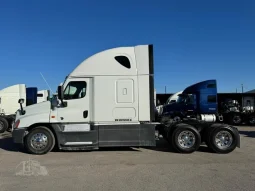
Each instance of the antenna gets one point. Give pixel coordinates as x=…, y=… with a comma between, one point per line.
x=46, y=82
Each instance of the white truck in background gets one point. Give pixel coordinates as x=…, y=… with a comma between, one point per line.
x=172, y=99
x=108, y=101
x=43, y=95
x=9, y=97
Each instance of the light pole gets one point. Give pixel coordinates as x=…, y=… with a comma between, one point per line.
x=242, y=95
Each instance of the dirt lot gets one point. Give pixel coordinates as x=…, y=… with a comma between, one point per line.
x=130, y=169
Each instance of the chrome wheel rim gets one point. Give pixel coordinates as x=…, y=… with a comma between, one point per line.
x=186, y=139
x=223, y=139
x=176, y=119
x=237, y=119
x=252, y=120
x=39, y=141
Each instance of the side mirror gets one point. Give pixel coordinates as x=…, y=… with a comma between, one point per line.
x=60, y=93
x=21, y=101
x=61, y=96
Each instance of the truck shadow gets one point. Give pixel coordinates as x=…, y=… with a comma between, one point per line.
x=250, y=134
x=164, y=146
x=7, y=144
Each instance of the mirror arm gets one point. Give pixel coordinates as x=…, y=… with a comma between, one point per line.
x=21, y=109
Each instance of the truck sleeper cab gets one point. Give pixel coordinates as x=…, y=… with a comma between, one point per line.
x=108, y=101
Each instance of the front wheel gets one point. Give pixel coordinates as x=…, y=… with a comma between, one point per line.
x=3, y=125
x=223, y=139
x=39, y=140
x=186, y=139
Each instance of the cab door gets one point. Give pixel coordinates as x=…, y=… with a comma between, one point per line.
x=74, y=119
x=77, y=97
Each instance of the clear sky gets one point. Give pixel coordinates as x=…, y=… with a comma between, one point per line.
x=193, y=40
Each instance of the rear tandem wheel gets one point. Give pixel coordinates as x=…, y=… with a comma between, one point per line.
x=185, y=138
x=222, y=138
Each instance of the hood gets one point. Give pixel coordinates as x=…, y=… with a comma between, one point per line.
x=39, y=108
x=171, y=107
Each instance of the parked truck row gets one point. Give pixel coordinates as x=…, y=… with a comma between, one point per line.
x=200, y=101
x=9, y=97
x=108, y=100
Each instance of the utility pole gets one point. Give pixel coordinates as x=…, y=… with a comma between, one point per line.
x=165, y=89
x=242, y=95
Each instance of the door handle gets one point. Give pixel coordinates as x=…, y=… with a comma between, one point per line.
x=85, y=113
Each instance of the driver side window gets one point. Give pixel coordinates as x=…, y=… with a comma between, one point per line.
x=75, y=90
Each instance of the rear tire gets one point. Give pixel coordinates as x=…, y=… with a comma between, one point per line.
x=3, y=125
x=251, y=120
x=223, y=139
x=39, y=140
x=235, y=119
x=185, y=138
x=208, y=132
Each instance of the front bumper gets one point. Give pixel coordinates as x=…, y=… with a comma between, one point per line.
x=18, y=135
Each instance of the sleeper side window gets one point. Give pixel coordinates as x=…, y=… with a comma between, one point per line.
x=211, y=86
x=75, y=90
x=211, y=99
x=124, y=61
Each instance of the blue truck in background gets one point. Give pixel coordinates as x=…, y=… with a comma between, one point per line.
x=200, y=101
x=31, y=95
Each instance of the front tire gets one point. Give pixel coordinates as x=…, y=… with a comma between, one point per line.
x=39, y=140
x=3, y=125
x=186, y=139
x=223, y=139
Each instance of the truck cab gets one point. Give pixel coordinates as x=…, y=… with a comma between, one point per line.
x=9, y=97
x=43, y=95
x=195, y=100
x=107, y=100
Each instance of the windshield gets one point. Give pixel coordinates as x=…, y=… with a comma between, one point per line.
x=185, y=98
x=181, y=99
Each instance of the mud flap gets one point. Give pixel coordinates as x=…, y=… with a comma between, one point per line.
x=237, y=137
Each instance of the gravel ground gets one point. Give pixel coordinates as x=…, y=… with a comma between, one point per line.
x=130, y=169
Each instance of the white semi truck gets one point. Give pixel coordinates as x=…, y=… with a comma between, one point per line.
x=43, y=95
x=108, y=101
x=9, y=97
x=172, y=99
